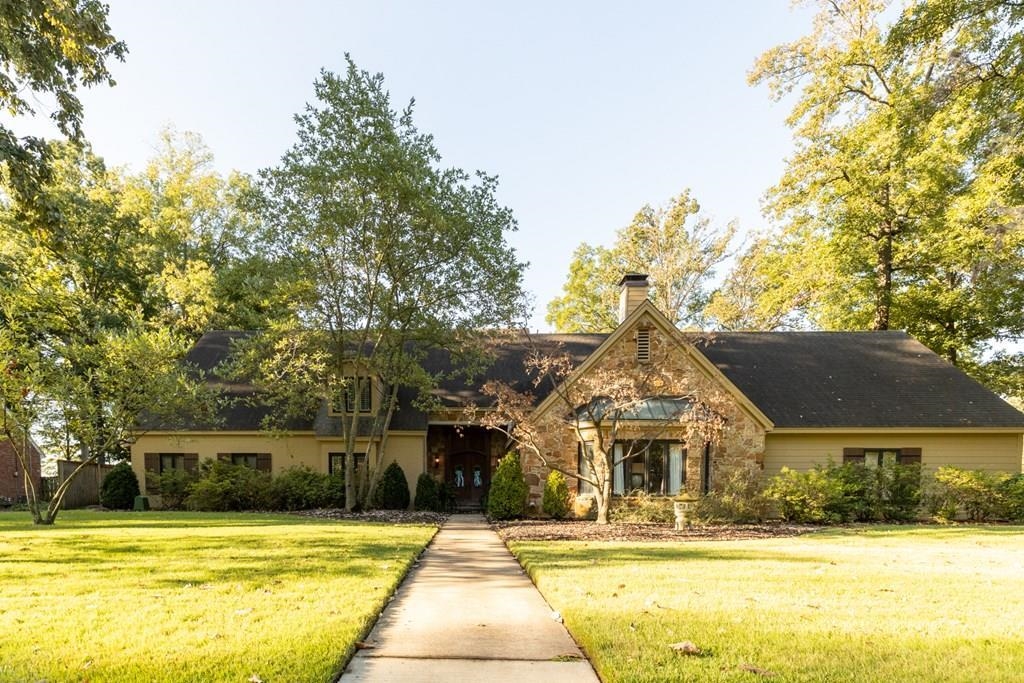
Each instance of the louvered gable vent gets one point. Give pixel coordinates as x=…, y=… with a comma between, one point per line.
x=643, y=346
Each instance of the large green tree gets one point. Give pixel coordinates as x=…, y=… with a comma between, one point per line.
x=47, y=50
x=391, y=255
x=674, y=244
x=904, y=178
x=82, y=360
x=199, y=242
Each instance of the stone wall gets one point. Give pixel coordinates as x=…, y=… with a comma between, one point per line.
x=737, y=441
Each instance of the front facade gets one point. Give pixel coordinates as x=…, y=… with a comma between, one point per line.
x=778, y=400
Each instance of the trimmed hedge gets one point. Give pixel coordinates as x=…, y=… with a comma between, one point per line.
x=119, y=488
x=509, y=492
x=556, y=502
x=834, y=494
x=392, y=491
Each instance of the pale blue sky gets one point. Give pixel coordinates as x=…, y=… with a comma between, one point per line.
x=585, y=110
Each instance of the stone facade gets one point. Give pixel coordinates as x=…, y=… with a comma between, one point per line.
x=737, y=441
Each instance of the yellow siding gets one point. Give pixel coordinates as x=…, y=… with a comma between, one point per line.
x=408, y=450
x=1000, y=452
x=284, y=452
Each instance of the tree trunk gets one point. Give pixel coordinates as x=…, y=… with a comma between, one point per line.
x=883, y=279
x=604, y=497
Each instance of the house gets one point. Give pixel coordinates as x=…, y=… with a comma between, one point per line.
x=12, y=474
x=781, y=399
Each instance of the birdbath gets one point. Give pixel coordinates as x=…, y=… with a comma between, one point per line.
x=682, y=506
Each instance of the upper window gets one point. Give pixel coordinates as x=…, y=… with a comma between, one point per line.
x=876, y=457
x=355, y=397
x=655, y=467
x=643, y=346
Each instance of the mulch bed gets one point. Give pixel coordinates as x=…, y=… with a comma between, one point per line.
x=547, y=530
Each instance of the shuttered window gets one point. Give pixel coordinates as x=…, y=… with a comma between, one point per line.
x=257, y=461
x=875, y=457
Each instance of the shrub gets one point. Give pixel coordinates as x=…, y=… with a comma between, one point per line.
x=740, y=498
x=301, y=488
x=392, y=491
x=642, y=509
x=974, y=492
x=426, y=494
x=173, y=486
x=556, y=496
x=1012, y=494
x=509, y=492
x=813, y=496
x=119, y=488
x=446, y=498
x=898, y=496
x=223, y=487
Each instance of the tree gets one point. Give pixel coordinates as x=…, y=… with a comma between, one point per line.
x=392, y=256
x=201, y=248
x=49, y=48
x=673, y=244
x=770, y=285
x=609, y=405
x=81, y=360
x=902, y=182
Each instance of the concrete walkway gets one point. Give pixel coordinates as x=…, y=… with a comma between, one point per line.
x=468, y=613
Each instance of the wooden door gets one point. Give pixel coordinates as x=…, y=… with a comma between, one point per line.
x=469, y=476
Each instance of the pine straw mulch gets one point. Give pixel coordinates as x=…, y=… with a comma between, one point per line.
x=548, y=530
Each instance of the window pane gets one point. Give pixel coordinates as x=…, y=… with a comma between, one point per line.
x=676, y=468
x=655, y=467
x=619, y=478
x=586, y=450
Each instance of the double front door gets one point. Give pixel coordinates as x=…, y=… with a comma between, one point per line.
x=468, y=475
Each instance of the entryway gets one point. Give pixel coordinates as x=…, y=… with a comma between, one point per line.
x=468, y=475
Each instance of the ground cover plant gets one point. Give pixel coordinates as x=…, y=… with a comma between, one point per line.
x=192, y=596
x=853, y=604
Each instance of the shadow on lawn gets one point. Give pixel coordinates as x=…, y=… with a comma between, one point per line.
x=556, y=555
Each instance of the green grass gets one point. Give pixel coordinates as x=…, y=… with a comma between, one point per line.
x=192, y=597
x=869, y=604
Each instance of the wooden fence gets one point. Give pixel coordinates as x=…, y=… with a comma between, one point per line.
x=85, y=489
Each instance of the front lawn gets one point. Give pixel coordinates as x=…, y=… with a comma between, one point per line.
x=862, y=604
x=192, y=597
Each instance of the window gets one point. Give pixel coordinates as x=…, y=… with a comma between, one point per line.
x=655, y=467
x=336, y=462
x=583, y=466
x=246, y=459
x=172, y=461
x=360, y=386
x=643, y=346
x=876, y=457
x=157, y=464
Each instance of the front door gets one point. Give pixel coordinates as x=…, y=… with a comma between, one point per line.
x=469, y=477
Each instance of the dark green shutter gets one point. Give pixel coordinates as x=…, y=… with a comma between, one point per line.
x=854, y=455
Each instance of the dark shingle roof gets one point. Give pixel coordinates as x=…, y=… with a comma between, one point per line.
x=798, y=379
x=854, y=379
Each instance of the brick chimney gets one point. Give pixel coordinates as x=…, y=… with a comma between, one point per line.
x=633, y=288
